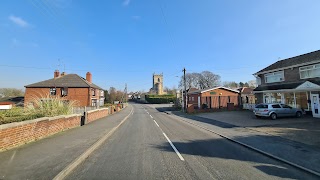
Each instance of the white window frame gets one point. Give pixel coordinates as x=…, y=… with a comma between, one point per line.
x=309, y=68
x=273, y=74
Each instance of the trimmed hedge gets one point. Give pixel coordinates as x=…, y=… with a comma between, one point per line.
x=160, y=99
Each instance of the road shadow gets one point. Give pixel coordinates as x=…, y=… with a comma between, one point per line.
x=226, y=150
x=197, y=118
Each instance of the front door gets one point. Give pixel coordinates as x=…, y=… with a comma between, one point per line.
x=315, y=105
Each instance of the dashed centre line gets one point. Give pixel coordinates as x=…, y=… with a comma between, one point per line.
x=171, y=144
x=173, y=147
x=156, y=123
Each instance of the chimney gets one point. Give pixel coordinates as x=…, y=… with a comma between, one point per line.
x=89, y=77
x=63, y=73
x=56, y=74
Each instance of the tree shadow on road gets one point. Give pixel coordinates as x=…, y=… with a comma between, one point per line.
x=196, y=118
x=220, y=148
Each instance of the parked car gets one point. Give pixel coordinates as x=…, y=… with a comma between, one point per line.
x=274, y=110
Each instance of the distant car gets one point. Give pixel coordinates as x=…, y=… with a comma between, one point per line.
x=274, y=110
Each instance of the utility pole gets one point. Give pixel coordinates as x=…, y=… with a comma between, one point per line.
x=185, y=91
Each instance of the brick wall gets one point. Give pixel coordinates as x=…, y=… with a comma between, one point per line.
x=19, y=133
x=290, y=75
x=97, y=114
x=81, y=95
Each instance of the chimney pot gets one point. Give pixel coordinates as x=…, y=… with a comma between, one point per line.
x=56, y=74
x=89, y=77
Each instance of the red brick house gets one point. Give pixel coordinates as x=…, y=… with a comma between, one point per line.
x=213, y=98
x=69, y=87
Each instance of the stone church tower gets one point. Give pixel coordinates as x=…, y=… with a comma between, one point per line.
x=157, y=84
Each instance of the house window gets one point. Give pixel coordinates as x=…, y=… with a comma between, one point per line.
x=192, y=98
x=310, y=71
x=64, y=91
x=274, y=77
x=102, y=93
x=94, y=102
x=53, y=91
x=93, y=92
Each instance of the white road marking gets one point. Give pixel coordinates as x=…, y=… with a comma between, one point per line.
x=173, y=147
x=147, y=112
x=156, y=123
x=151, y=116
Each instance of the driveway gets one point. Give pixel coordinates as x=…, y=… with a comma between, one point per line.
x=247, y=119
x=305, y=130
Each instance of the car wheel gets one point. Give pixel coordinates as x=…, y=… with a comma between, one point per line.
x=298, y=114
x=273, y=116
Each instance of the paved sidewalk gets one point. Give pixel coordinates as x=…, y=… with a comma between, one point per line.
x=301, y=154
x=45, y=158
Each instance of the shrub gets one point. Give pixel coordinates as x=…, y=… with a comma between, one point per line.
x=43, y=107
x=50, y=106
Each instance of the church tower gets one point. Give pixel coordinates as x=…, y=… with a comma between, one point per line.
x=158, y=83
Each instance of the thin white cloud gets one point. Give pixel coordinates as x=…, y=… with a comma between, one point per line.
x=18, y=21
x=126, y=2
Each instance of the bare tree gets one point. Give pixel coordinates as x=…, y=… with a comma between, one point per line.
x=205, y=79
x=208, y=79
x=7, y=92
x=252, y=83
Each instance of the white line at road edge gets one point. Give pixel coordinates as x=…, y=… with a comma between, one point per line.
x=151, y=116
x=156, y=123
x=174, y=148
x=73, y=165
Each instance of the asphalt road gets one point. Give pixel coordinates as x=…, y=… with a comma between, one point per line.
x=140, y=149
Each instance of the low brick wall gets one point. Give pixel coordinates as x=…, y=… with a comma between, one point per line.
x=97, y=114
x=18, y=133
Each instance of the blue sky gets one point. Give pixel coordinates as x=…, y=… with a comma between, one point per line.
x=126, y=41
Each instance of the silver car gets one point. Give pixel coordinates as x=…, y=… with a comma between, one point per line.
x=274, y=110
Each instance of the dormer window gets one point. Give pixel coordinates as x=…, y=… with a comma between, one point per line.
x=274, y=77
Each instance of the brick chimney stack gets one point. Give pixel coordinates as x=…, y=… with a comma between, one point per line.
x=89, y=77
x=56, y=74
